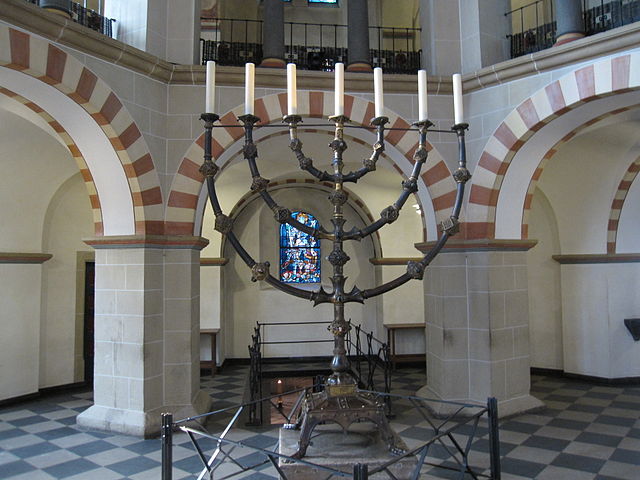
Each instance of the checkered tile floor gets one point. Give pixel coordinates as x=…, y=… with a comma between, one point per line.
x=586, y=432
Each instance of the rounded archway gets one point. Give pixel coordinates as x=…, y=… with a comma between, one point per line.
x=103, y=131
x=513, y=157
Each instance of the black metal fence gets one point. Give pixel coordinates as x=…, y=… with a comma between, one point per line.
x=533, y=31
x=79, y=14
x=311, y=46
x=369, y=358
x=447, y=445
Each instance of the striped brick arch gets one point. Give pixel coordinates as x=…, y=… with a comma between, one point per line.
x=42, y=60
x=618, y=202
x=187, y=184
x=621, y=193
x=73, y=150
x=611, y=76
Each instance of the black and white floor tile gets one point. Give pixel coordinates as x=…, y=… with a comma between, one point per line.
x=586, y=432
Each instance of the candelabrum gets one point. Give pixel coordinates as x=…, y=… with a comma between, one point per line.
x=340, y=401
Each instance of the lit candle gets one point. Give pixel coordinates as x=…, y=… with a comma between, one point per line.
x=292, y=96
x=210, y=95
x=377, y=91
x=249, y=84
x=339, y=100
x=457, y=99
x=422, y=96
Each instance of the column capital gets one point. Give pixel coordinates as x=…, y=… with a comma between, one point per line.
x=148, y=241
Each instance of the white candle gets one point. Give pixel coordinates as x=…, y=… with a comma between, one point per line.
x=210, y=95
x=457, y=99
x=292, y=95
x=249, y=84
x=422, y=96
x=339, y=96
x=377, y=91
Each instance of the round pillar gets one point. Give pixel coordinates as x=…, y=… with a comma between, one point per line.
x=569, y=21
x=273, y=34
x=358, y=36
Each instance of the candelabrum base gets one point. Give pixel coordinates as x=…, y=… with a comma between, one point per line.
x=344, y=405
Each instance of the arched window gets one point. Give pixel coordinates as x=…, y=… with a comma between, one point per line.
x=299, y=252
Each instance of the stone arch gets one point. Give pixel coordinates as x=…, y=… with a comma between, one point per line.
x=51, y=67
x=618, y=202
x=73, y=150
x=185, y=190
x=354, y=200
x=617, y=75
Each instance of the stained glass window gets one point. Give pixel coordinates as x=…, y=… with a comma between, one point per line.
x=299, y=252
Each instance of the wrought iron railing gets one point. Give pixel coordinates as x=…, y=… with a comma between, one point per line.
x=311, y=46
x=79, y=14
x=447, y=446
x=369, y=358
x=532, y=30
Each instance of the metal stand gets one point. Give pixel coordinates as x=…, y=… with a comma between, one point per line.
x=167, y=445
x=340, y=402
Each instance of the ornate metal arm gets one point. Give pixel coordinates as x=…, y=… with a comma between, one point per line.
x=224, y=224
x=306, y=163
x=409, y=186
x=415, y=270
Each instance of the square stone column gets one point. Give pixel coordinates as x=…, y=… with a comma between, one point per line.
x=477, y=326
x=147, y=322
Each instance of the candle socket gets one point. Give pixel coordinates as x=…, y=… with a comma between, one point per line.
x=460, y=127
x=249, y=119
x=292, y=120
x=339, y=119
x=423, y=124
x=209, y=118
x=379, y=121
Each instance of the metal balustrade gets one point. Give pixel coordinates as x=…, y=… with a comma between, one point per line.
x=79, y=14
x=532, y=30
x=311, y=46
x=369, y=357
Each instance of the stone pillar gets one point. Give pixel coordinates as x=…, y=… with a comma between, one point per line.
x=358, y=36
x=146, y=333
x=569, y=21
x=273, y=34
x=440, y=36
x=477, y=326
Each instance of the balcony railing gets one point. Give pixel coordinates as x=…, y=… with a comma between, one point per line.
x=533, y=32
x=79, y=14
x=312, y=46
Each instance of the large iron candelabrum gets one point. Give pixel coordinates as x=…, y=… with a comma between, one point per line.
x=340, y=402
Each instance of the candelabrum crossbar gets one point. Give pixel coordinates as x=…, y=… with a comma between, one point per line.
x=340, y=402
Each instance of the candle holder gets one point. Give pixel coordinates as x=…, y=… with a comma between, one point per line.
x=340, y=402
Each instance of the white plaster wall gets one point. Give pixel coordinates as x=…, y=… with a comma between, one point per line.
x=595, y=301
x=20, y=320
x=38, y=164
x=67, y=221
x=545, y=307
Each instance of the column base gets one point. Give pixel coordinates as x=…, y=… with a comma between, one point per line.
x=359, y=67
x=506, y=408
x=273, y=63
x=568, y=37
x=136, y=422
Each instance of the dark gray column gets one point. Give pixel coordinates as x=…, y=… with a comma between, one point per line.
x=273, y=34
x=358, y=36
x=569, y=20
